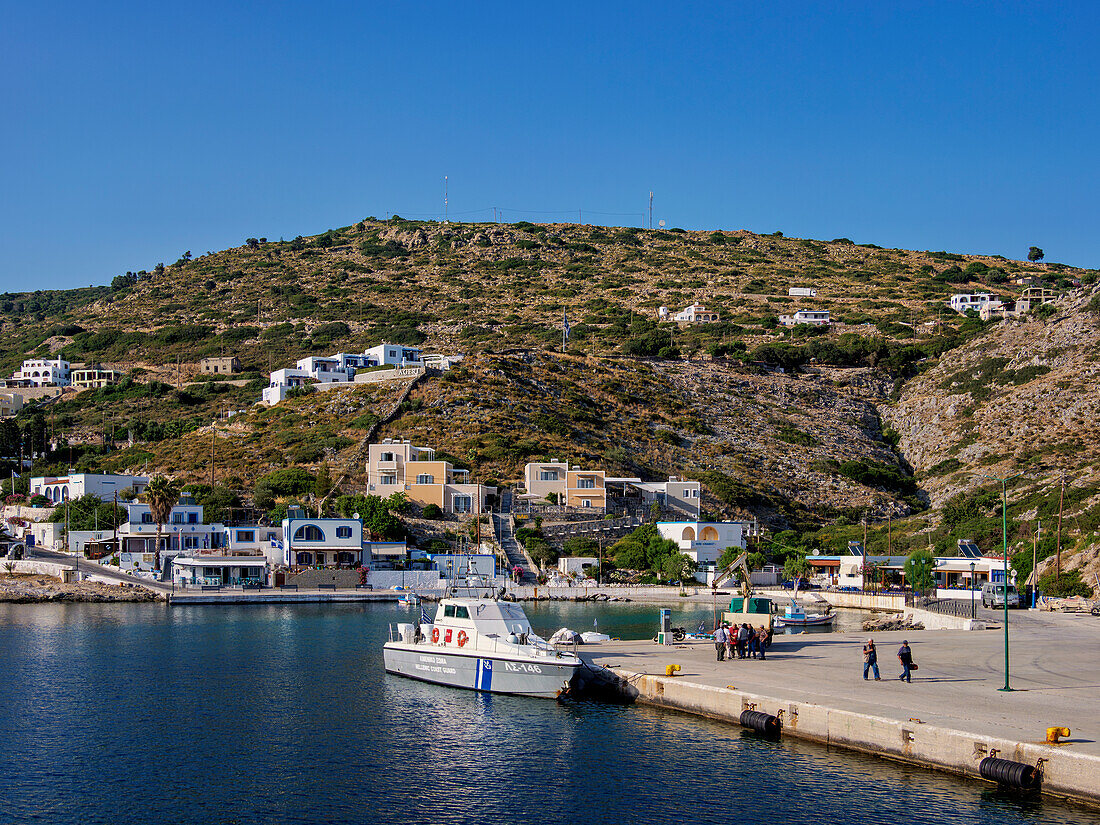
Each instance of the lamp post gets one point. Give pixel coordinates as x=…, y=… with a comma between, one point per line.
x=971, y=590
x=1004, y=540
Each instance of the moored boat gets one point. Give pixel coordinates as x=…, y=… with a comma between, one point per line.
x=480, y=644
x=796, y=616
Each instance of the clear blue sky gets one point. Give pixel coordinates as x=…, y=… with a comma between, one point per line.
x=135, y=131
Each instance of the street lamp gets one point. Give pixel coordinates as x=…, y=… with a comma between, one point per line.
x=1004, y=539
x=971, y=590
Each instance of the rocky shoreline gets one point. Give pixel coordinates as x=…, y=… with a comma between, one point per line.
x=37, y=589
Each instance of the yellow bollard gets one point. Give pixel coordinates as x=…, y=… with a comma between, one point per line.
x=1053, y=735
x=672, y=670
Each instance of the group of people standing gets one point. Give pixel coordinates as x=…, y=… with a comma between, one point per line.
x=905, y=656
x=742, y=641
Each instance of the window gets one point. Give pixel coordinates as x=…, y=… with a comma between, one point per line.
x=320, y=558
x=192, y=518
x=304, y=558
x=462, y=612
x=146, y=518
x=190, y=542
x=343, y=532
x=246, y=535
x=462, y=504
x=586, y=503
x=425, y=478
x=386, y=457
x=389, y=479
x=309, y=532
x=586, y=483
x=177, y=518
x=449, y=611
x=345, y=558
x=548, y=475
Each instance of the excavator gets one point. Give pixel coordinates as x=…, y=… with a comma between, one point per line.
x=746, y=608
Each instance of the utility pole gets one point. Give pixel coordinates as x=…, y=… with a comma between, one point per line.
x=651, y=209
x=1034, y=564
x=213, y=441
x=1058, y=544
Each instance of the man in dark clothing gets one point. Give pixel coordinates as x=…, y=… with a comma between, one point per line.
x=905, y=656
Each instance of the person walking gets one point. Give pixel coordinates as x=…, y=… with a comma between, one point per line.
x=720, y=638
x=905, y=656
x=761, y=641
x=870, y=659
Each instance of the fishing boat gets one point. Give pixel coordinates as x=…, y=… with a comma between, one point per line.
x=480, y=644
x=796, y=616
x=409, y=599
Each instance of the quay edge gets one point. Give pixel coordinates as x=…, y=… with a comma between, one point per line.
x=1067, y=775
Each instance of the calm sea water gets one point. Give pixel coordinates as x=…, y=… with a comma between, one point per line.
x=141, y=713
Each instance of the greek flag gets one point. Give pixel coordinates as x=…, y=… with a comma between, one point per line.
x=424, y=617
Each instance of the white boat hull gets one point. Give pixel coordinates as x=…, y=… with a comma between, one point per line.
x=484, y=671
x=804, y=622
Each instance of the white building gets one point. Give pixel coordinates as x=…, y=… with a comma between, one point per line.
x=43, y=372
x=336, y=369
x=220, y=571
x=694, y=314
x=322, y=542
x=814, y=317
x=802, y=292
x=104, y=486
x=963, y=303
x=705, y=541
x=569, y=565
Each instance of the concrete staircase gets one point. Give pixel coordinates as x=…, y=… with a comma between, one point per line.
x=505, y=528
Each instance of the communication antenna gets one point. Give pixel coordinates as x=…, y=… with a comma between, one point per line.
x=661, y=223
x=650, y=208
x=444, y=198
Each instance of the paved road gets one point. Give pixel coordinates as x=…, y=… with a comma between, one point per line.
x=92, y=568
x=1055, y=673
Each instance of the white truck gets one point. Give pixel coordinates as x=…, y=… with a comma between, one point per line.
x=802, y=292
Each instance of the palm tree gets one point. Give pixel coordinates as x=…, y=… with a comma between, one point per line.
x=162, y=495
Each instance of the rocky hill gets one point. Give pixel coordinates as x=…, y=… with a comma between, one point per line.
x=807, y=430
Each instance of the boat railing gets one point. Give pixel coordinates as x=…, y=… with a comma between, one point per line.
x=490, y=644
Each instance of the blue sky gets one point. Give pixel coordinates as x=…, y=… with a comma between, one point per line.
x=136, y=131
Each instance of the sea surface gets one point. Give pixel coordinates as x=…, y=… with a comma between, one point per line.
x=283, y=714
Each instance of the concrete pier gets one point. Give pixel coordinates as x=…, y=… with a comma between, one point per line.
x=950, y=717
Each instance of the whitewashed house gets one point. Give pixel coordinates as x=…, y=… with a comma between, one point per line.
x=814, y=317
x=220, y=571
x=964, y=302
x=103, y=486
x=43, y=372
x=322, y=542
x=696, y=314
x=336, y=369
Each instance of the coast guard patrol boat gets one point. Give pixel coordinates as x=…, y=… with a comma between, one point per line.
x=480, y=644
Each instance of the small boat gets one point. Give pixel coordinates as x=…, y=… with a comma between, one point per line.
x=796, y=616
x=480, y=644
x=409, y=599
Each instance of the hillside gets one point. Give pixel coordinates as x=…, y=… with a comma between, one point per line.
x=810, y=431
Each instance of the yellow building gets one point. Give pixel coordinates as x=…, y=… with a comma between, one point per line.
x=400, y=466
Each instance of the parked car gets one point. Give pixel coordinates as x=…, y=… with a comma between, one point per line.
x=993, y=595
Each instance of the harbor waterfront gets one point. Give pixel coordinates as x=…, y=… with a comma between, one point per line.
x=282, y=713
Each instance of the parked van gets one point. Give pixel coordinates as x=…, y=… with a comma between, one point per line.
x=993, y=595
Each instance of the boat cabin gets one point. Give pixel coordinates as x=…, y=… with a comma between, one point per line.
x=485, y=616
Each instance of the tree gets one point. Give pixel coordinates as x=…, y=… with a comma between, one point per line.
x=676, y=566
x=322, y=485
x=580, y=546
x=919, y=569
x=253, y=243
x=540, y=551
x=1035, y=254
x=432, y=511
x=375, y=513
x=162, y=495
x=795, y=566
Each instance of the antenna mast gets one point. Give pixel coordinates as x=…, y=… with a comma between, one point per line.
x=445, y=199
x=650, y=208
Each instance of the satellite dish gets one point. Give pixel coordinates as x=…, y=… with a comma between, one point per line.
x=817, y=552
x=661, y=224
x=355, y=515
